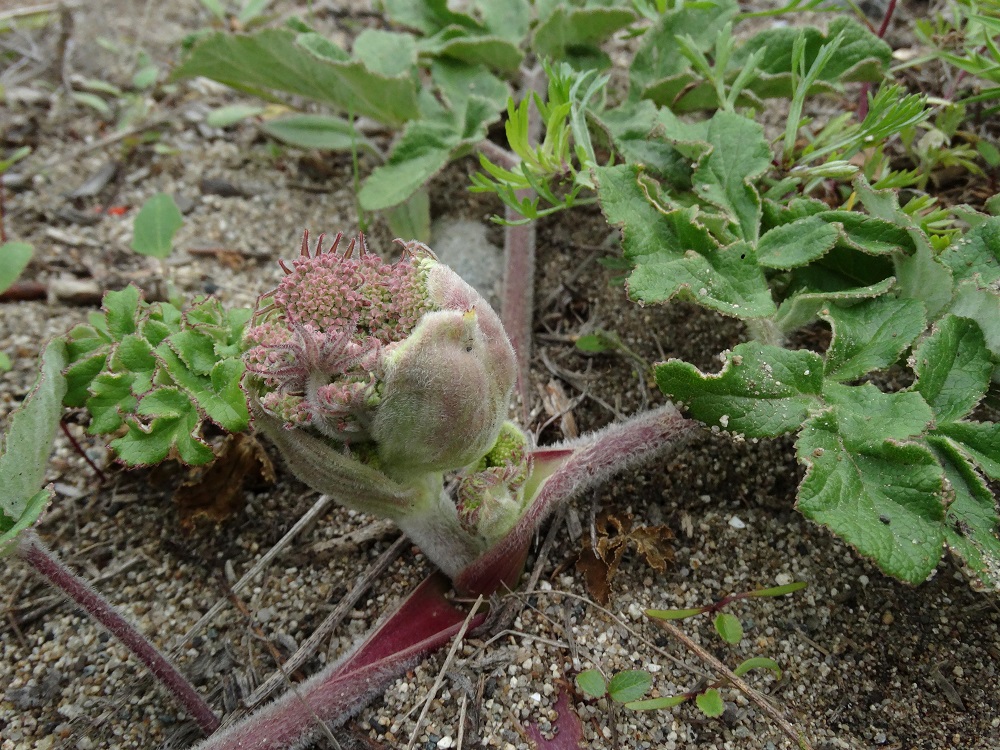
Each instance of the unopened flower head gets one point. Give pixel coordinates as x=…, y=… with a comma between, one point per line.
x=404, y=357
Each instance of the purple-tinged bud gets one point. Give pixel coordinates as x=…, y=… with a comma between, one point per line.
x=404, y=356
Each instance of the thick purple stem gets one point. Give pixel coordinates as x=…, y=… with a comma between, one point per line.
x=518, y=301
x=33, y=552
x=865, y=88
x=422, y=624
x=565, y=471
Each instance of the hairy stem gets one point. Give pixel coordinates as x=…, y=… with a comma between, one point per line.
x=422, y=624
x=33, y=552
x=564, y=471
x=518, y=302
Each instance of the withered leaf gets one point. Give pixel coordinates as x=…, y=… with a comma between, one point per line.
x=215, y=492
x=614, y=533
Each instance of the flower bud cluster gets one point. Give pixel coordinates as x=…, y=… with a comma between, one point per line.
x=403, y=361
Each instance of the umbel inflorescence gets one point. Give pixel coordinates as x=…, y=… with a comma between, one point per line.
x=376, y=378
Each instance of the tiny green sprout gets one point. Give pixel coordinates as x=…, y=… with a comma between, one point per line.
x=729, y=628
x=155, y=226
x=624, y=687
x=592, y=682
x=710, y=703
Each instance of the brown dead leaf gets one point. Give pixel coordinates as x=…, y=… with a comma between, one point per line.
x=614, y=533
x=215, y=492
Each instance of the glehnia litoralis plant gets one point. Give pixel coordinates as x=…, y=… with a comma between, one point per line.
x=376, y=380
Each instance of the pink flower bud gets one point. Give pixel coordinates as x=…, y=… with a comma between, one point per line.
x=405, y=357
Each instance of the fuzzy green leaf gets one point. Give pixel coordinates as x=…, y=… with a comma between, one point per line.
x=135, y=355
x=657, y=56
x=977, y=254
x=27, y=442
x=674, y=255
x=763, y=391
x=729, y=627
x=870, y=234
x=953, y=368
x=428, y=16
x=725, y=177
x=591, y=682
x=758, y=662
x=219, y=395
x=568, y=31
x=710, y=703
x=870, y=335
x=629, y=685
x=223, y=117
x=196, y=350
x=474, y=49
x=111, y=397
x=120, y=311
x=304, y=65
x=971, y=526
x=803, y=305
x=14, y=257
x=11, y=528
x=983, y=306
x=155, y=226
x=317, y=131
x=978, y=440
x=879, y=494
x=386, y=52
x=796, y=244
x=174, y=423
x=422, y=152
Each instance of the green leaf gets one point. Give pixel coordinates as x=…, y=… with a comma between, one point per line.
x=870, y=234
x=758, y=662
x=882, y=496
x=953, y=368
x=725, y=177
x=632, y=128
x=982, y=306
x=135, y=355
x=474, y=49
x=796, y=244
x=976, y=255
x=510, y=19
x=629, y=685
x=175, y=424
x=5, y=363
x=14, y=257
x=155, y=226
x=657, y=57
x=870, y=335
x=788, y=588
x=386, y=52
x=674, y=614
x=316, y=131
x=275, y=60
x=196, y=350
x=674, y=255
x=111, y=398
x=120, y=311
x=762, y=391
x=223, y=117
x=803, y=305
x=655, y=704
x=219, y=395
x=728, y=627
x=428, y=16
x=591, y=682
x=93, y=101
x=978, y=440
x=710, y=703
x=12, y=528
x=27, y=442
x=412, y=217
x=971, y=525
x=422, y=151
x=567, y=31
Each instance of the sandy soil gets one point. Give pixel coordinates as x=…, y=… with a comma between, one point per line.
x=868, y=662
